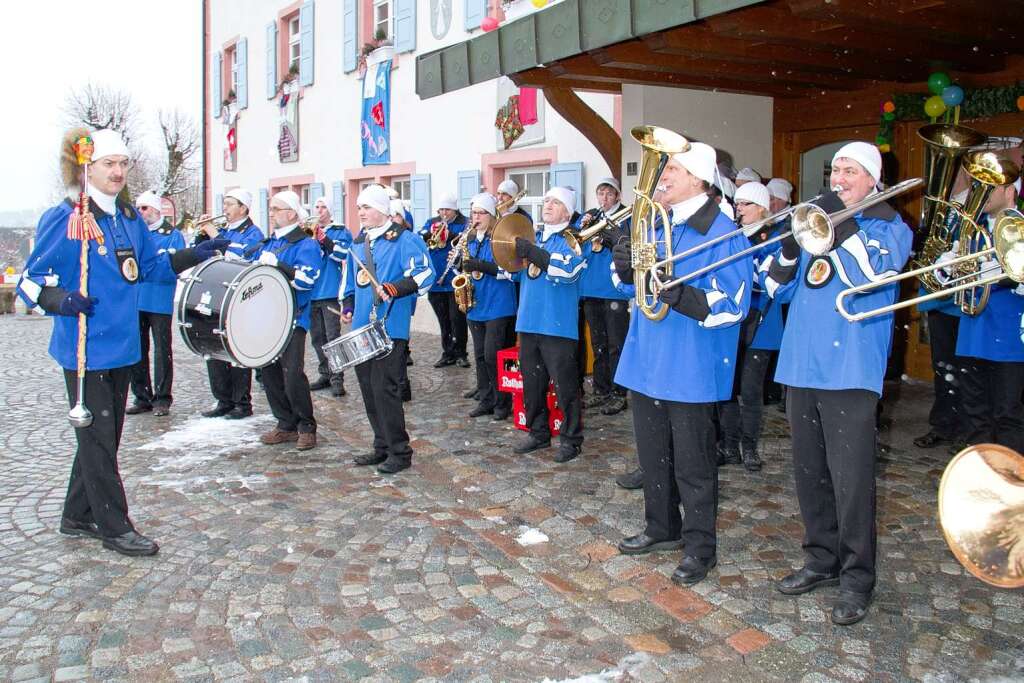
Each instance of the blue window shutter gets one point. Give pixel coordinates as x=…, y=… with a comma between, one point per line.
x=469, y=186
x=349, y=36
x=405, y=25
x=218, y=92
x=420, y=185
x=271, y=60
x=569, y=175
x=306, y=43
x=242, y=66
x=316, y=191
x=338, y=202
x=261, y=211
x=218, y=204
x=475, y=12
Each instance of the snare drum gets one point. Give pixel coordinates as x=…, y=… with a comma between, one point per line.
x=358, y=346
x=235, y=311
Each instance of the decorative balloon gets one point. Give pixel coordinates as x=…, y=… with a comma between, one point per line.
x=953, y=95
x=934, y=107
x=489, y=24
x=938, y=82
x=889, y=107
x=1020, y=103
x=540, y=3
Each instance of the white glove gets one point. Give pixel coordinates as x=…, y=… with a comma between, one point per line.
x=268, y=258
x=942, y=274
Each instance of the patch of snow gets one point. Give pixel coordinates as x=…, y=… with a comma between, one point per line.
x=530, y=536
x=627, y=666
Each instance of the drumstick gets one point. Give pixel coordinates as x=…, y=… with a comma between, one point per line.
x=359, y=263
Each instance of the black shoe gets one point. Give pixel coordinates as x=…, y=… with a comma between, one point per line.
x=693, y=570
x=751, y=460
x=501, y=414
x=132, y=544
x=850, y=607
x=369, y=459
x=616, y=404
x=567, y=452
x=161, y=410
x=641, y=544
x=392, y=465
x=728, y=455
x=338, y=390
x=930, y=440
x=218, y=411
x=406, y=393
x=804, y=580
x=444, y=361
x=472, y=393
x=71, y=527
x=239, y=413
x=530, y=444
x=481, y=410
x=408, y=361
x=463, y=362
x=320, y=383
x=595, y=400
x=631, y=480
x=138, y=408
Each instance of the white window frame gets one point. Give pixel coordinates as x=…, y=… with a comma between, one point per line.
x=303, y=192
x=386, y=23
x=294, y=41
x=232, y=55
x=403, y=185
x=530, y=203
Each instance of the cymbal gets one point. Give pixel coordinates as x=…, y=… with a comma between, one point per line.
x=503, y=240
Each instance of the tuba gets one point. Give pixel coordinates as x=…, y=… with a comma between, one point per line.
x=945, y=147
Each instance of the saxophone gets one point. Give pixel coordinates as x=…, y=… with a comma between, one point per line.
x=463, y=282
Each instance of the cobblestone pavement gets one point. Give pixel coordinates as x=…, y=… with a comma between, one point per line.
x=278, y=565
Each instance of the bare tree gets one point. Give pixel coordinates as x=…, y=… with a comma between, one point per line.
x=181, y=142
x=98, y=106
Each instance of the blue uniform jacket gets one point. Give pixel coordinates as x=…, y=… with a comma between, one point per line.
x=820, y=348
x=769, y=332
x=157, y=294
x=596, y=281
x=397, y=254
x=245, y=234
x=679, y=358
x=302, y=254
x=439, y=257
x=112, y=339
x=495, y=295
x=549, y=303
x=328, y=285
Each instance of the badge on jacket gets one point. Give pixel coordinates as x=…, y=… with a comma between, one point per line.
x=819, y=271
x=129, y=266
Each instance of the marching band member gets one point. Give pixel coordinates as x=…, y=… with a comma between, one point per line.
x=298, y=256
x=492, y=316
x=548, y=328
x=401, y=219
x=747, y=175
x=232, y=386
x=992, y=352
x=605, y=308
x=779, y=193
x=156, y=303
x=834, y=370
x=674, y=396
x=95, y=505
x=507, y=191
x=439, y=233
x=335, y=240
x=399, y=261
x=760, y=335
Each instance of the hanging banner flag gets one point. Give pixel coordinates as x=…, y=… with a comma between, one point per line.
x=375, y=127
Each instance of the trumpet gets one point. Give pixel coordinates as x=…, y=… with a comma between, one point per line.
x=310, y=225
x=1007, y=247
x=219, y=221
x=438, y=237
x=612, y=222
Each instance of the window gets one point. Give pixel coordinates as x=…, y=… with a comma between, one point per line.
x=303, y=193
x=294, y=44
x=381, y=18
x=232, y=60
x=536, y=181
x=403, y=186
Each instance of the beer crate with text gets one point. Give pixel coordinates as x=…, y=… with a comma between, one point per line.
x=510, y=380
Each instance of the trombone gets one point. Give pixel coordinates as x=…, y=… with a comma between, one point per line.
x=1007, y=247
x=811, y=226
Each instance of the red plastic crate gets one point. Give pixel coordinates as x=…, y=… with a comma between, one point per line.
x=555, y=415
x=510, y=380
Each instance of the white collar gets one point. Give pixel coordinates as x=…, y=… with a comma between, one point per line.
x=684, y=210
x=281, y=232
x=374, y=233
x=235, y=224
x=550, y=230
x=153, y=227
x=612, y=210
x=107, y=202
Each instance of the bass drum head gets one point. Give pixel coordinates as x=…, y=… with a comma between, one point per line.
x=259, y=316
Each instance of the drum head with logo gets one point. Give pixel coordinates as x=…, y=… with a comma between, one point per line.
x=259, y=316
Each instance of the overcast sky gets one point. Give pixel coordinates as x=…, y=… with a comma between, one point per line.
x=149, y=48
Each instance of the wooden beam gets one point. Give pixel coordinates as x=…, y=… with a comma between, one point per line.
x=587, y=121
x=540, y=77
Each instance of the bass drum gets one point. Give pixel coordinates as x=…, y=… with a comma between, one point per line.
x=239, y=312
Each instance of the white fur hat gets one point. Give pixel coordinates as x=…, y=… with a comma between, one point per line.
x=375, y=197
x=509, y=187
x=865, y=154
x=485, y=201
x=748, y=174
x=448, y=201
x=241, y=194
x=565, y=195
x=609, y=181
x=780, y=188
x=753, y=192
x=148, y=198
x=292, y=201
x=107, y=142
x=700, y=160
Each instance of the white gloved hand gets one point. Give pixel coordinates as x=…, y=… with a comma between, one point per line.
x=268, y=258
x=943, y=274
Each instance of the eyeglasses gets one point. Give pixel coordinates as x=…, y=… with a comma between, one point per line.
x=743, y=205
x=275, y=209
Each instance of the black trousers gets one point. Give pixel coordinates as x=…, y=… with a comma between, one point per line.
x=287, y=387
x=740, y=417
x=543, y=358
x=991, y=393
x=947, y=414
x=95, y=492
x=452, y=322
x=378, y=381
x=155, y=391
x=489, y=337
x=231, y=386
x=609, y=322
x=324, y=327
x=834, y=468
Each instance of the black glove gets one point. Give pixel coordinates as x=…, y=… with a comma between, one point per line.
x=687, y=300
x=532, y=253
x=790, y=248
x=471, y=265
x=830, y=202
x=74, y=303
x=401, y=287
x=844, y=231
x=622, y=257
x=183, y=259
x=211, y=248
x=606, y=239
x=327, y=245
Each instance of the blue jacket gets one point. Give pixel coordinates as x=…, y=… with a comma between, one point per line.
x=439, y=257
x=596, y=282
x=769, y=332
x=301, y=256
x=157, y=295
x=549, y=303
x=397, y=254
x=995, y=333
x=328, y=285
x=820, y=348
x=245, y=234
x=681, y=358
x=112, y=339
x=495, y=295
